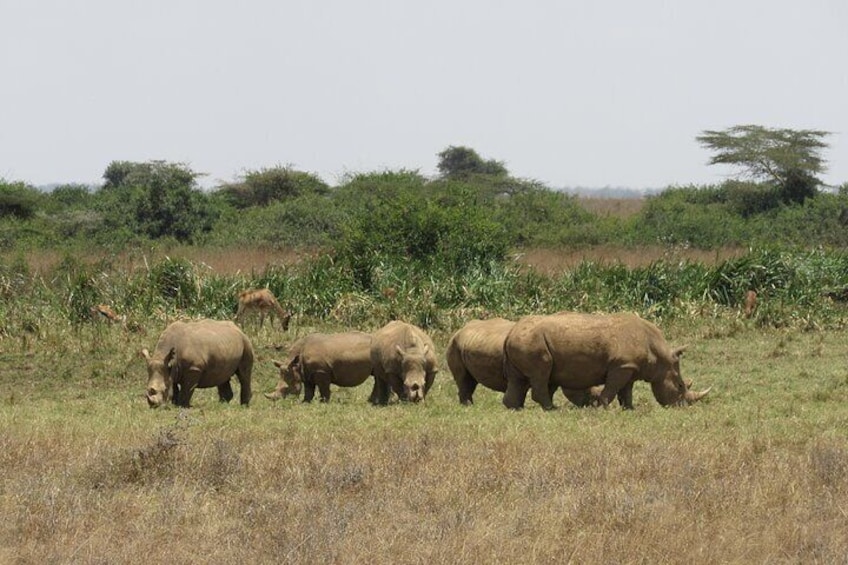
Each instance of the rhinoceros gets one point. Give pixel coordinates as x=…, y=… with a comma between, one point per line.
x=579, y=351
x=475, y=355
x=403, y=358
x=199, y=354
x=342, y=359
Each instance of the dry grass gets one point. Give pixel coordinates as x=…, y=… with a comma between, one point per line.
x=229, y=261
x=224, y=261
x=427, y=496
x=556, y=261
x=612, y=207
x=758, y=473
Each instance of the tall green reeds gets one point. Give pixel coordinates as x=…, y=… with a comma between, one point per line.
x=803, y=288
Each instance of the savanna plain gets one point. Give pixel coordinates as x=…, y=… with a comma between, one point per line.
x=757, y=472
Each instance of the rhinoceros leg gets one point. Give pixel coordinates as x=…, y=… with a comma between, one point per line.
x=516, y=392
x=175, y=394
x=322, y=379
x=396, y=385
x=540, y=392
x=243, y=373
x=188, y=382
x=618, y=379
x=225, y=392
x=466, y=385
x=625, y=396
x=380, y=394
x=186, y=392
x=308, y=388
x=372, y=398
x=429, y=379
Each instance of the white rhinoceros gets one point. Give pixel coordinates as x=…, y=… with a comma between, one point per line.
x=580, y=351
x=199, y=354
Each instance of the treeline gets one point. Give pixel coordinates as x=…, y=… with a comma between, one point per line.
x=471, y=213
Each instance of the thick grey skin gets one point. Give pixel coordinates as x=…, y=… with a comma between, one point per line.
x=475, y=355
x=201, y=354
x=579, y=351
x=319, y=360
x=404, y=361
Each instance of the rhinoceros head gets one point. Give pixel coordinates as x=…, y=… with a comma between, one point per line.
x=669, y=388
x=160, y=379
x=414, y=363
x=291, y=379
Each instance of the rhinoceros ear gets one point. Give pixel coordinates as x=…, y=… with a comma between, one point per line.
x=145, y=354
x=170, y=358
x=400, y=350
x=277, y=364
x=679, y=351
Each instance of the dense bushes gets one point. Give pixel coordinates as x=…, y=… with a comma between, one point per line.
x=433, y=234
x=466, y=218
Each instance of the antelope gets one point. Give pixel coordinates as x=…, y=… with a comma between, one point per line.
x=102, y=312
x=750, y=303
x=264, y=301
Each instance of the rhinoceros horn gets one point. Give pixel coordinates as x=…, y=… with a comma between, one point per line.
x=692, y=396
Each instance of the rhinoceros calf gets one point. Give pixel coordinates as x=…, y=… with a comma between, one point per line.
x=199, y=354
x=404, y=361
x=579, y=351
x=342, y=359
x=475, y=355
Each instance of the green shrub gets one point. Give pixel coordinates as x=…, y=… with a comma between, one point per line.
x=264, y=186
x=449, y=235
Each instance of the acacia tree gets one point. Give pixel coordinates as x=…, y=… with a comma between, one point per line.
x=787, y=158
x=462, y=162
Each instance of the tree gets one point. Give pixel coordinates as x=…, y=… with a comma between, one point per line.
x=156, y=199
x=789, y=159
x=18, y=200
x=462, y=162
x=262, y=187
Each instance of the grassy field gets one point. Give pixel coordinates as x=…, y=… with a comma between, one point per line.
x=755, y=473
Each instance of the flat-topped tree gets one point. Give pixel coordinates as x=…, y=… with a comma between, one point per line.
x=788, y=158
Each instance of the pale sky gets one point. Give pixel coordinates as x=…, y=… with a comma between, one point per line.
x=573, y=93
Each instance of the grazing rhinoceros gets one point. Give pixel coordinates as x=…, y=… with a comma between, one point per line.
x=579, y=351
x=404, y=360
x=342, y=359
x=199, y=354
x=475, y=355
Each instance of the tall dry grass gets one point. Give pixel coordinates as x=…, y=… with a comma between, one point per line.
x=612, y=207
x=230, y=261
x=225, y=494
x=554, y=262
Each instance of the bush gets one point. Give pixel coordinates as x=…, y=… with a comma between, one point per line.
x=448, y=235
x=262, y=187
x=18, y=200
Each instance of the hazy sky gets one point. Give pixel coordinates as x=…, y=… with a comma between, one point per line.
x=570, y=92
